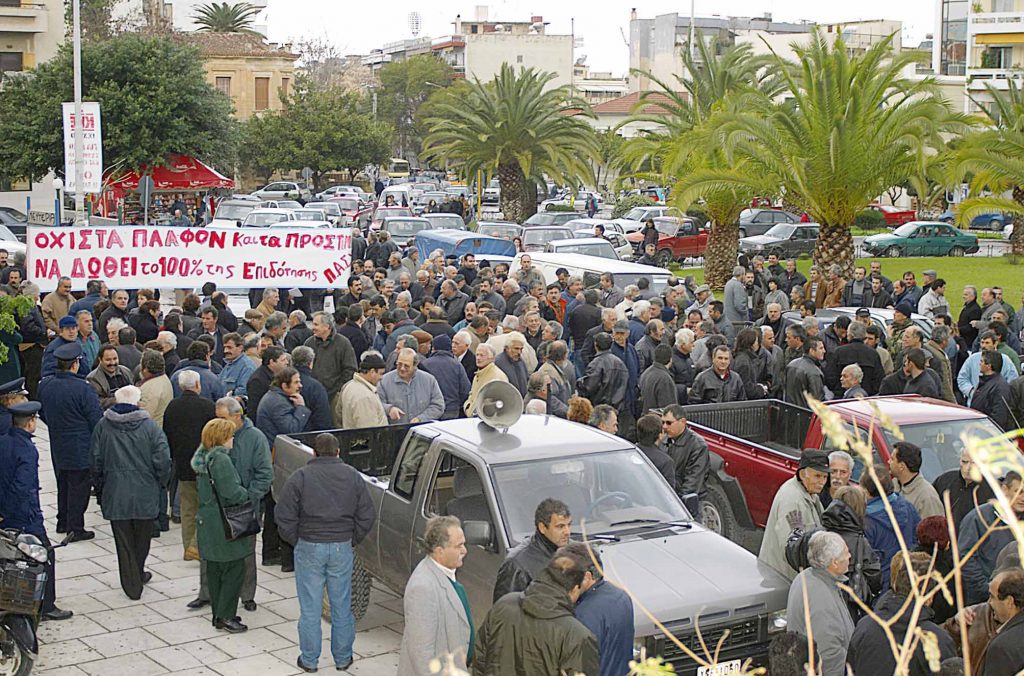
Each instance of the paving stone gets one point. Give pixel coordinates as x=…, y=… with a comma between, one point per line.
x=376, y=641
x=84, y=584
x=116, y=598
x=126, y=618
x=376, y=616
x=284, y=588
x=252, y=642
x=135, y=664
x=188, y=656
x=265, y=665
x=186, y=630
x=119, y=643
x=174, y=589
x=79, y=567
x=286, y=608
x=82, y=604
x=177, y=609
x=375, y=666
x=66, y=653
x=61, y=671
x=75, y=627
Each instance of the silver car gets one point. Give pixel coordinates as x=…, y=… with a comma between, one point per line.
x=284, y=190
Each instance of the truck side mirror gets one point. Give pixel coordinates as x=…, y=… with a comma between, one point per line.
x=477, y=533
x=692, y=503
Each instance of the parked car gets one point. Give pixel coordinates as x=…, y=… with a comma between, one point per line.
x=262, y=218
x=882, y=317
x=588, y=246
x=10, y=242
x=786, y=240
x=550, y=218
x=284, y=190
x=759, y=221
x=352, y=211
x=337, y=190
x=537, y=237
x=499, y=229
x=922, y=238
x=15, y=221
x=388, y=212
x=678, y=238
x=493, y=480
x=590, y=269
x=994, y=222
x=894, y=216
x=655, y=193
x=310, y=215
x=449, y=221
x=231, y=213
x=623, y=247
x=492, y=193
x=1008, y=232
x=635, y=217
x=755, y=446
x=589, y=224
x=279, y=204
x=578, y=203
x=331, y=209
x=404, y=228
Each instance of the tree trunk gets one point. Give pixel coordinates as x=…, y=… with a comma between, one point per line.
x=1017, y=238
x=720, y=256
x=510, y=179
x=835, y=247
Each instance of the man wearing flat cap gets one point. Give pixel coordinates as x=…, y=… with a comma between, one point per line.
x=71, y=409
x=796, y=505
x=359, y=405
x=19, y=492
x=67, y=333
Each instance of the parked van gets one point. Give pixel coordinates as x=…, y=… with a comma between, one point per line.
x=402, y=193
x=590, y=269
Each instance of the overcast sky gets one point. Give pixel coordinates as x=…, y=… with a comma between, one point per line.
x=357, y=26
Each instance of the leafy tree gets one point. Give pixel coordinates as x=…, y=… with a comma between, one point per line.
x=993, y=161
x=609, y=157
x=223, y=17
x=153, y=97
x=685, y=142
x=95, y=19
x=848, y=128
x=326, y=130
x=404, y=86
x=515, y=127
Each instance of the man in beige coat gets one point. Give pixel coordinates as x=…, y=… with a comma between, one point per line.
x=438, y=621
x=358, y=404
x=157, y=392
x=57, y=303
x=486, y=372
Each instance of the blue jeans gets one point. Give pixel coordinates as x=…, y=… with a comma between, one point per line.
x=319, y=565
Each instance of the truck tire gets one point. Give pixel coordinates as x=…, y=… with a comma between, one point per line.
x=716, y=513
x=361, y=583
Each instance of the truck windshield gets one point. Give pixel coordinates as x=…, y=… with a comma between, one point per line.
x=940, y=442
x=603, y=488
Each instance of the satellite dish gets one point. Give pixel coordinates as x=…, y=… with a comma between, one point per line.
x=415, y=23
x=499, y=405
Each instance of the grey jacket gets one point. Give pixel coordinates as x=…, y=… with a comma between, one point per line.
x=735, y=301
x=830, y=619
x=419, y=398
x=692, y=459
x=436, y=622
x=657, y=388
x=131, y=462
x=709, y=388
x=325, y=501
x=804, y=375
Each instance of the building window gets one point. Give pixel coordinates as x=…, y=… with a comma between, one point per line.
x=953, y=49
x=10, y=3
x=519, y=58
x=11, y=62
x=285, y=84
x=262, y=93
x=224, y=85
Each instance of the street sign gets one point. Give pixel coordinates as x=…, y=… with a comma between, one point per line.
x=307, y=173
x=92, y=148
x=145, y=190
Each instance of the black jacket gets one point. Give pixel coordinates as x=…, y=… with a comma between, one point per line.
x=1005, y=653
x=865, y=574
x=753, y=370
x=605, y=381
x=854, y=352
x=325, y=501
x=962, y=495
x=662, y=461
x=516, y=371
x=522, y=564
x=992, y=397
x=587, y=350
x=657, y=388
x=317, y=401
x=355, y=335
x=709, y=388
x=298, y=335
x=32, y=327
x=184, y=420
x=258, y=385
x=692, y=460
x=869, y=651
x=582, y=319
x=682, y=372
x=971, y=312
x=926, y=385
x=804, y=375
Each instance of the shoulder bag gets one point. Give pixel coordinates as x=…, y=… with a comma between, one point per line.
x=239, y=520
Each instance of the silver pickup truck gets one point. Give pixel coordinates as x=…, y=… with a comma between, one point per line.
x=493, y=480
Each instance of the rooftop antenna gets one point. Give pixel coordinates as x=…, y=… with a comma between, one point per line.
x=415, y=23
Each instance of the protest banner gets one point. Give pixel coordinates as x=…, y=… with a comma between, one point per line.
x=135, y=257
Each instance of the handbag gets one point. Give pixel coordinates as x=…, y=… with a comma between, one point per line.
x=239, y=520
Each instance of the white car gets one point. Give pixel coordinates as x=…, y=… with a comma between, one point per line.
x=622, y=247
x=579, y=204
x=264, y=218
x=337, y=191
x=280, y=204
x=310, y=215
x=284, y=190
x=230, y=213
x=1008, y=231
x=301, y=224
x=589, y=246
x=10, y=243
x=591, y=223
x=331, y=209
x=634, y=219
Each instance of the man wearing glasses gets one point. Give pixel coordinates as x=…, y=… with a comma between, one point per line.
x=690, y=454
x=964, y=491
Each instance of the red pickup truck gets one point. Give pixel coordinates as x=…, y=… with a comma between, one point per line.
x=755, y=446
x=678, y=239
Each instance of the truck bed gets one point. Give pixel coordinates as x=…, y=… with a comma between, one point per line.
x=770, y=423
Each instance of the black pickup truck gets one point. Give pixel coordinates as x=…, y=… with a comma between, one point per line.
x=684, y=574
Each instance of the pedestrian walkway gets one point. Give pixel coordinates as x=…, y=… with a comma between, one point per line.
x=112, y=635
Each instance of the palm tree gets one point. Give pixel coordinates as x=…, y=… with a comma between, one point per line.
x=994, y=157
x=223, y=17
x=515, y=127
x=684, y=141
x=848, y=128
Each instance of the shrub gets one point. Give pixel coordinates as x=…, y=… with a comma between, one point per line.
x=869, y=219
x=629, y=202
x=559, y=207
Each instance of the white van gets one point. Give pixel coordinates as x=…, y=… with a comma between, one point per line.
x=401, y=192
x=590, y=269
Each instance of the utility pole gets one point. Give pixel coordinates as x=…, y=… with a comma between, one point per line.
x=572, y=56
x=80, y=215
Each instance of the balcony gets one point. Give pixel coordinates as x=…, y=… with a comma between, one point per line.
x=979, y=79
x=993, y=23
x=27, y=17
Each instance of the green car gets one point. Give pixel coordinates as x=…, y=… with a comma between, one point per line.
x=921, y=238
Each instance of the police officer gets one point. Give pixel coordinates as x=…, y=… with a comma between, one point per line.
x=19, y=491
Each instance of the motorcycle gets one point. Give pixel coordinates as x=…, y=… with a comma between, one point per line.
x=22, y=585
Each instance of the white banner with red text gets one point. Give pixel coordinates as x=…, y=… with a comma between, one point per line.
x=136, y=257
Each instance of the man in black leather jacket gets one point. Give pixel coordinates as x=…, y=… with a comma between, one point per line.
x=527, y=559
x=690, y=454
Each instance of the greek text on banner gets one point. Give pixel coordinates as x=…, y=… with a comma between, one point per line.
x=134, y=257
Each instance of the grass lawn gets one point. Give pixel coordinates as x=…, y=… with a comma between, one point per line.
x=958, y=272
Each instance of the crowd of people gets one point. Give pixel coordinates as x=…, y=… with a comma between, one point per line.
x=172, y=415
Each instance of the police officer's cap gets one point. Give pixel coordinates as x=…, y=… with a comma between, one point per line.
x=13, y=386
x=25, y=408
x=68, y=352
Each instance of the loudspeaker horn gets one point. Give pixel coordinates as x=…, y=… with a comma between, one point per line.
x=499, y=405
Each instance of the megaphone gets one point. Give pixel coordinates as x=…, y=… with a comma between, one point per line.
x=499, y=405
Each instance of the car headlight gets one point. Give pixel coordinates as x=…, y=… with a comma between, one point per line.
x=777, y=622
x=30, y=546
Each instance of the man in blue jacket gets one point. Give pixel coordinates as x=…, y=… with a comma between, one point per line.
x=71, y=409
x=978, y=570
x=68, y=333
x=607, y=612
x=199, y=361
x=450, y=376
x=19, y=493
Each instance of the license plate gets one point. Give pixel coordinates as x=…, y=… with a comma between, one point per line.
x=723, y=669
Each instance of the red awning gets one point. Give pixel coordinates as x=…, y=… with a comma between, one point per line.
x=181, y=173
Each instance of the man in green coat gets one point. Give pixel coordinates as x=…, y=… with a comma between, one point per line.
x=536, y=631
x=250, y=455
x=131, y=462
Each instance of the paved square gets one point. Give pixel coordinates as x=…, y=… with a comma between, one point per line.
x=111, y=634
